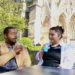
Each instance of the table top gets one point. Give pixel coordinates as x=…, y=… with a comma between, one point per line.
x=38, y=70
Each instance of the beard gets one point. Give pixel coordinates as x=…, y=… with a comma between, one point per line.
x=11, y=42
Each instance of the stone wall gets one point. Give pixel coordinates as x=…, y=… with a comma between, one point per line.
x=53, y=13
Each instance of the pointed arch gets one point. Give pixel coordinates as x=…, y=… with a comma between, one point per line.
x=72, y=26
x=62, y=22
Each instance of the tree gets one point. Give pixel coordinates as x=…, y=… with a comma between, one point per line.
x=10, y=15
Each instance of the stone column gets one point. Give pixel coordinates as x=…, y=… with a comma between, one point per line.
x=23, y=8
x=54, y=14
x=22, y=15
x=37, y=24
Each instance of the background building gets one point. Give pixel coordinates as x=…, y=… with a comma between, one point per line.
x=44, y=14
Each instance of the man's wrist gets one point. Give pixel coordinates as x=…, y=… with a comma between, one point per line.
x=13, y=53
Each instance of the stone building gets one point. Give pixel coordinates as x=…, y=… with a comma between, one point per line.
x=44, y=14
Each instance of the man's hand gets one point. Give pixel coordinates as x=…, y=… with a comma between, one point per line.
x=18, y=49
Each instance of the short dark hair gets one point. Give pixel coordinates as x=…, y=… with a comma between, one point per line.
x=58, y=29
x=6, y=30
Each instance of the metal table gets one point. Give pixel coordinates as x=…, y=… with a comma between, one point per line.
x=38, y=70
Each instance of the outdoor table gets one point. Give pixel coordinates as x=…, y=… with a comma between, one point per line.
x=39, y=70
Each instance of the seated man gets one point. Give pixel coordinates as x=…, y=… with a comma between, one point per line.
x=13, y=56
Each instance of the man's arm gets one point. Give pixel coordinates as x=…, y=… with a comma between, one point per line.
x=27, y=61
x=6, y=57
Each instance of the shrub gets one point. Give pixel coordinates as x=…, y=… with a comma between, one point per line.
x=28, y=43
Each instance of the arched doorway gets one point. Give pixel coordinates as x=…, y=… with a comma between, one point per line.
x=72, y=27
x=62, y=22
x=45, y=21
x=45, y=30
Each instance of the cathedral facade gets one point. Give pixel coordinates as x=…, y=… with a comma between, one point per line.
x=48, y=13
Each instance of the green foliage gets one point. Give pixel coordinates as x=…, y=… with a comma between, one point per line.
x=10, y=15
x=27, y=42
